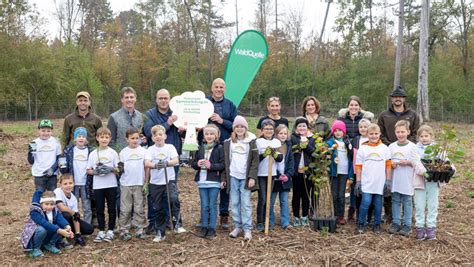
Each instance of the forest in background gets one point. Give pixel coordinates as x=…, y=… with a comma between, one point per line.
x=182, y=45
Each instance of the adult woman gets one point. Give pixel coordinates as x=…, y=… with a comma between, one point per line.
x=316, y=123
x=352, y=114
x=274, y=108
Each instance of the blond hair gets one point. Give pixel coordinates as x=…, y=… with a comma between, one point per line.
x=158, y=128
x=65, y=177
x=280, y=128
x=103, y=131
x=233, y=135
x=373, y=127
x=403, y=123
x=366, y=121
x=425, y=128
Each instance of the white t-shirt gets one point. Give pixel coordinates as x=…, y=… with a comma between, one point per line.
x=362, y=140
x=155, y=154
x=80, y=165
x=373, y=160
x=49, y=215
x=134, y=168
x=343, y=164
x=45, y=156
x=109, y=158
x=239, y=152
x=262, y=144
x=402, y=176
x=70, y=202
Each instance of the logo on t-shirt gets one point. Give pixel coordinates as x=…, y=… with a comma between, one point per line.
x=238, y=148
x=374, y=157
x=398, y=156
x=104, y=160
x=160, y=156
x=80, y=157
x=46, y=148
x=134, y=156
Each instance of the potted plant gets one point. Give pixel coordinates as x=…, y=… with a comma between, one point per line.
x=436, y=162
x=321, y=207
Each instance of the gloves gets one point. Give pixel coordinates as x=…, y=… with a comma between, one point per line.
x=145, y=189
x=161, y=164
x=120, y=168
x=76, y=217
x=268, y=151
x=275, y=153
x=387, y=188
x=358, y=189
x=32, y=147
x=102, y=169
x=49, y=172
x=283, y=178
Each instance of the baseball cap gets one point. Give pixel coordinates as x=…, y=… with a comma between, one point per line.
x=84, y=94
x=45, y=124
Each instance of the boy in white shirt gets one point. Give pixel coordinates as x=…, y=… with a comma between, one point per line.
x=43, y=154
x=157, y=158
x=102, y=164
x=132, y=186
x=403, y=153
x=373, y=176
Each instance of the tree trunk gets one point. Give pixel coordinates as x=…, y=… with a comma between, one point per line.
x=423, y=101
x=318, y=48
x=398, y=59
x=236, y=18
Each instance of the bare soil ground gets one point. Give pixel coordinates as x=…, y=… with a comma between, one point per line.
x=291, y=247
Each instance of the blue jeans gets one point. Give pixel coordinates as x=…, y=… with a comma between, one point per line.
x=405, y=200
x=45, y=183
x=241, y=204
x=368, y=199
x=284, y=209
x=209, y=206
x=80, y=193
x=42, y=237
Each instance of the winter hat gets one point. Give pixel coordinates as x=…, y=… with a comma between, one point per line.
x=239, y=120
x=212, y=128
x=399, y=91
x=80, y=131
x=266, y=122
x=300, y=120
x=337, y=124
x=45, y=124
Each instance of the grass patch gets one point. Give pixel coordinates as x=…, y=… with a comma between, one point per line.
x=3, y=149
x=470, y=194
x=449, y=204
x=469, y=175
x=26, y=128
x=5, y=213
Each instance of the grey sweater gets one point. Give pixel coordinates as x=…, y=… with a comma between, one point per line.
x=119, y=122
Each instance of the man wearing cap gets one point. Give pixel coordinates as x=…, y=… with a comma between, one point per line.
x=387, y=120
x=81, y=117
x=125, y=118
x=397, y=111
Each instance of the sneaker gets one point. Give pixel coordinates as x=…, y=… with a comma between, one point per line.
x=224, y=222
x=247, y=235
x=79, y=240
x=36, y=253
x=150, y=230
x=376, y=228
x=394, y=228
x=420, y=233
x=109, y=236
x=198, y=225
x=180, y=230
x=296, y=222
x=405, y=231
x=304, y=221
x=100, y=237
x=360, y=228
x=52, y=249
x=260, y=227
x=211, y=233
x=64, y=244
x=140, y=235
x=431, y=233
x=158, y=238
x=341, y=220
x=202, y=232
x=235, y=233
x=125, y=236
x=287, y=226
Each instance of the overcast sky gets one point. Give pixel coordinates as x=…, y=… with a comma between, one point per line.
x=312, y=10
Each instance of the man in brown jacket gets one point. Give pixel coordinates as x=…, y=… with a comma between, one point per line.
x=81, y=117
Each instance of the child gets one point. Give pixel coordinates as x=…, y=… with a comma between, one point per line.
x=357, y=141
x=43, y=154
x=159, y=160
x=209, y=163
x=341, y=167
x=132, y=186
x=282, y=185
x=302, y=146
x=373, y=174
x=45, y=226
x=102, y=163
x=267, y=147
x=67, y=204
x=241, y=168
x=76, y=164
x=402, y=152
x=426, y=193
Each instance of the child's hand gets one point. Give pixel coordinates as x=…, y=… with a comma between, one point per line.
x=283, y=178
x=223, y=184
x=358, y=189
x=201, y=162
x=145, y=189
x=404, y=163
x=207, y=163
x=251, y=183
x=64, y=232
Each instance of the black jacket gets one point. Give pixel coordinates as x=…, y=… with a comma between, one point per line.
x=217, y=164
x=289, y=169
x=298, y=151
x=389, y=118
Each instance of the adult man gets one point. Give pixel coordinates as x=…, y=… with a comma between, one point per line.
x=81, y=117
x=387, y=120
x=162, y=115
x=224, y=114
x=124, y=118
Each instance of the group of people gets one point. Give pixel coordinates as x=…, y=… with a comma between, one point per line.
x=135, y=159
